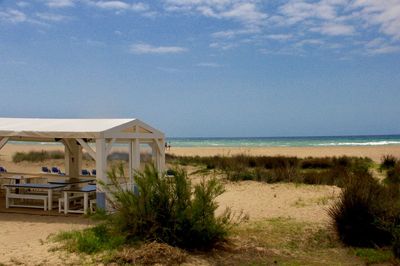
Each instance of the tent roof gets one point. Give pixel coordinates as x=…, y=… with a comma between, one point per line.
x=37, y=128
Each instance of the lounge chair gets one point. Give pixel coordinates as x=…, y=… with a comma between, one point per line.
x=56, y=170
x=3, y=170
x=45, y=170
x=85, y=172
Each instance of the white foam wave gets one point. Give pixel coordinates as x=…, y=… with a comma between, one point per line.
x=371, y=143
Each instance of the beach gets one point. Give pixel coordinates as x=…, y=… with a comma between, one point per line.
x=25, y=237
x=373, y=152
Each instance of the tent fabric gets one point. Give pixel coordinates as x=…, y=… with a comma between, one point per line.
x=59, y=128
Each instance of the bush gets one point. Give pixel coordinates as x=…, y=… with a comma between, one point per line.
x=388, y=162
x=273, y=169
x=168, y=209
x=316, y=163
x=393, y=174
x=37, y=156
x=366, y=212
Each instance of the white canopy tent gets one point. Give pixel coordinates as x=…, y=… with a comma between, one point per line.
x=78, y=134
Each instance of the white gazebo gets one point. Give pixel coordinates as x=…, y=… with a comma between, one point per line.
x=95, y=136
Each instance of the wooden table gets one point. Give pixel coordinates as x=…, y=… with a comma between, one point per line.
x=86, y=190
x=47, y=187
x=70, y=181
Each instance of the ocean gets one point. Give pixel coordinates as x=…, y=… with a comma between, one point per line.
x=287, y=141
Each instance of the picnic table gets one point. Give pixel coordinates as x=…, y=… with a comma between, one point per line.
x=73, y=181
x=47, y=200
x=85, y=191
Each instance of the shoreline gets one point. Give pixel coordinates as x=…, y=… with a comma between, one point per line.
x=373, y=152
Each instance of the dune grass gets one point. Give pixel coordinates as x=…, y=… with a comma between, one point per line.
x=273, y=169
x=278, y=241
x=37, y=156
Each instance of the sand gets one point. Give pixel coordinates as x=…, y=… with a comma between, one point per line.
x=374, y=152
x=23, y=237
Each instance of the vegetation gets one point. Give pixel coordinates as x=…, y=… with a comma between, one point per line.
x=368, y=215
x=366, y=212
x=91, y=240
x=37, y=156
x=388, y=162
x=272, y=169
x=165, y=209
x=393, y=174
x=40, y=156
x=168, y=209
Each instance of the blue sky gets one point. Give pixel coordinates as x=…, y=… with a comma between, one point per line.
x=206, y=67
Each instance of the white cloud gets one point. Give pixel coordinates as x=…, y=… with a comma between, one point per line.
x=23, y=4
x=279, y=37
x=233, y=33
x=60, y=3
x=209, y=64
x=143, y=48
x=384, y=14
x=222, y=45
x=335, y=29
x=381, y=46
x=243, y=11
x=120, y=5
x=13, y=16
x=309, y=42
x=52, y=17
x=295, y=11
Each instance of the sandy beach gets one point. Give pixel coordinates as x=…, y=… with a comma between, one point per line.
x=373, y=152
x=24, y=237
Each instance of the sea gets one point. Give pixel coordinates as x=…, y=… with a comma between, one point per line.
x=320, y=141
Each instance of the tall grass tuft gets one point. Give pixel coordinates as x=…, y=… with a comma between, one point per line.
x=388, y=162
x=272, y=169
x=37, y=156
x=393, y=174
x=366, y=212
x=168, y=209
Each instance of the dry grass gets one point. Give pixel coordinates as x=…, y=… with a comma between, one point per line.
x=150, y=254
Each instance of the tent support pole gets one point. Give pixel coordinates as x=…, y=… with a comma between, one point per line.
x=3, y=142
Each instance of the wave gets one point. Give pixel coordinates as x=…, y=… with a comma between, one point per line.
x=371, y=143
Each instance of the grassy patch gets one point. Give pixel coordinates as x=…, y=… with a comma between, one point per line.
x=37, y=156
x=374, y=256
x=89, y=241
x=273, y=169
x=282, y=241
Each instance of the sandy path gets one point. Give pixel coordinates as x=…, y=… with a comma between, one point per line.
x=264, y=201
x=23, y=238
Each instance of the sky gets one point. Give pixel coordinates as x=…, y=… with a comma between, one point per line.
x=206, y=68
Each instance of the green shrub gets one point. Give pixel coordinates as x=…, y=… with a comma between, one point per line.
x=37, y=156
x=168, y=209
x=272, y=169
x=393, y=174
x=388, y=162
x=316, y=163
x=366, y=212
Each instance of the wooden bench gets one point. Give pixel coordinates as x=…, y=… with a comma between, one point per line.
x=70, y=199
x=92, y=205
x=12, y=196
